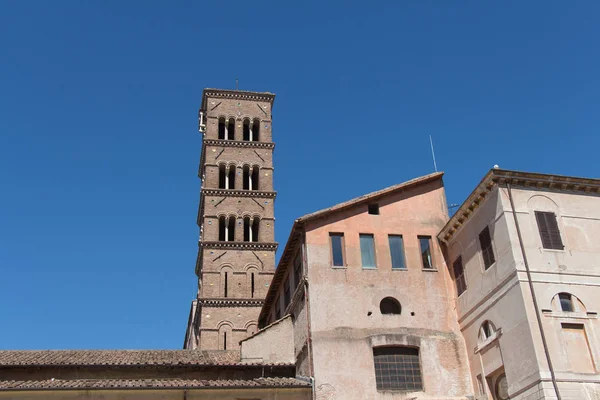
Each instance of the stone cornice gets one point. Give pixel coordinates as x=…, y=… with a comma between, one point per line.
x=238, y=143
x=236, y=95
x=211, y=302
x=238, y=245
x=239, y=193
x=523, y=180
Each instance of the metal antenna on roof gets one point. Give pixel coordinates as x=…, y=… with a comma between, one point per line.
x=432, y=153
x=236, y=83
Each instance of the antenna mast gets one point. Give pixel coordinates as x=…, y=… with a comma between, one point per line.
x=432, y=153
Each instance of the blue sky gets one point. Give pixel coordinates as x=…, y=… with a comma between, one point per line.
x=99, y=146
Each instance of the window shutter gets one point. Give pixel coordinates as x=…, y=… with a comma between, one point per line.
x=549, y=232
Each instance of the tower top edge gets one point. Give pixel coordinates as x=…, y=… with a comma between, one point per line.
x=236, y=95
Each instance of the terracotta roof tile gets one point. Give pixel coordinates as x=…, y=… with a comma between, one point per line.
x=121, y=357
x=149, y=383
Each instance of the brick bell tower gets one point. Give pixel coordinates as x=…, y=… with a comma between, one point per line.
x=236, y=249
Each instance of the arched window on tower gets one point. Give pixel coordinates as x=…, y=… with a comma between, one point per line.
x=226, y=228
x=251, y=229
x=221, y=128
x=226, y=177
x=246, y=130
x=255, y=130
x=250, y=175
x=230, y=129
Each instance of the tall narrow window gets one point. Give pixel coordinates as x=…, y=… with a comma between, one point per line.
x=425, y=246
x=224, y=340
x=255, y=175
x=222, y=176
x=226, y=176
x=485, y=240
x=577, y=347
x=247, y=178
x=231, y=229
x=225, y=284
x=298, y=267
x=397, y=251
x=549, y=232
x=252, y=285
x=231, y=177
x=459, y=276
x=251, y=229
x=255, y=130
x=367, y=250
x=230, y=129
x=222, y=228
x=246, y=130
x=337, y=249
x=286, y=293
x=566, y=302
x=226, y=229
x=397, y=368
x=221, y=128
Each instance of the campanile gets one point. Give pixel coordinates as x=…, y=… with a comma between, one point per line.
x=236, y=248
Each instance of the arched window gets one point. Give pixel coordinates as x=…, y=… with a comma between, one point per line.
x=486, y=330
x=255, y=130
x=226, y=228
x=566, y=302
x=246, y=130
x=221, y=128
x=226, y=176
x=230, y=134
x=251, y=229
x=250, y=176
x=225, y=336
x=390, y=305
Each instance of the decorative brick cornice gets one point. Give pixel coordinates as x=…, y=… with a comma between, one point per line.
x=236, y=95
x=238, y=245
x=239, y=193
x=230, y=302
x=238, y=143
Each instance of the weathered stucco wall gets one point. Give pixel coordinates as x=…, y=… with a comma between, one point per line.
x=346, y=320
x=274, y=344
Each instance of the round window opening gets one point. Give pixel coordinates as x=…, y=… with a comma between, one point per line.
x=390, y=306
x=502, y=388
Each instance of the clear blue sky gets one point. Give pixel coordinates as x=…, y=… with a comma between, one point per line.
x=99, y=146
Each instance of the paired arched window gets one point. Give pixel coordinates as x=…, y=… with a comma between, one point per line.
x=390, y=306
x=251, y=177
x=226, y=176
x=486, y=331
x=226, y=128
x=251, y=130
x=251, y=225
x=227, y=228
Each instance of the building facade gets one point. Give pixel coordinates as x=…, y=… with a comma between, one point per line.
x=236, y=255
x=363, y=291
x=525, y=260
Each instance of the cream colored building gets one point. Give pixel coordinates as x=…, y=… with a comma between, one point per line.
x=525, y=257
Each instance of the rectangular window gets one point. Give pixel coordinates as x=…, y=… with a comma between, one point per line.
x=337, y=249
x=367, y=250
x=397, y=368
x=549, y=232
x=397, y=251
x=425, y=246
x=373, y=209
x=566, y=302
x=485, y=240
x=459, y=276
x=298, y=267
x=286, y=294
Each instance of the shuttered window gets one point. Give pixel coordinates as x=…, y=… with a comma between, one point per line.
x=459, y=276
x=548, y=227
x=485, y=240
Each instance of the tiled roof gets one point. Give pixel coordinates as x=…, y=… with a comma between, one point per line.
x=56, y=384
x=121, y=357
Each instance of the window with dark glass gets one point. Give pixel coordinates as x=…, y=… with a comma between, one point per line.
x=566, y=302
x=373, y=209
x=459, y=276
x=397, y=368
x=397, y=251
x=337, y=249
x=367, y=250
x=485, y=240
x=549, y=232
x=425, y=246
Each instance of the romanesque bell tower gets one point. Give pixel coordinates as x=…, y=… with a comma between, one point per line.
x=236, y=249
